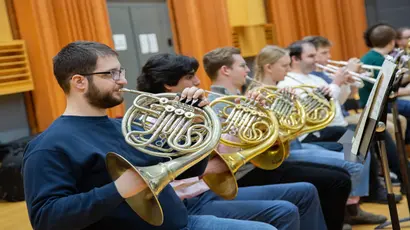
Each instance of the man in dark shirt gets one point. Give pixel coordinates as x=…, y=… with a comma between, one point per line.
x=66, y=182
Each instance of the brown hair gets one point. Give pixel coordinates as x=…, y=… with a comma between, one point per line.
x=399, y=32
x=379, y=35
x=268, y=55
x=318, y=41
x=217, y=58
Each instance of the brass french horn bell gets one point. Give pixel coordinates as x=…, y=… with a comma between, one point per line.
x=159, y=126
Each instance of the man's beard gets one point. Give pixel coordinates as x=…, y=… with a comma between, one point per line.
x=101, y=100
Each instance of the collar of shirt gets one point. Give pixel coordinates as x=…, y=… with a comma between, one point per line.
x=222, y=90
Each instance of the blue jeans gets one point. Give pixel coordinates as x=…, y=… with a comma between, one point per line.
x=208, y=222
x=285, y=206
x=359, y=173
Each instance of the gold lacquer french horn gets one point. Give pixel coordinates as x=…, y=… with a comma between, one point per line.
x=250, y=129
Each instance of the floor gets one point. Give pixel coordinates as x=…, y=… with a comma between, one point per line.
x=14, y=215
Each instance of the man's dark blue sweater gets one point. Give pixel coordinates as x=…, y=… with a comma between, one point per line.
x=67, y=185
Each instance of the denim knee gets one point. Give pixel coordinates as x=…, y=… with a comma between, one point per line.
x=308, y=190
x=289, y=214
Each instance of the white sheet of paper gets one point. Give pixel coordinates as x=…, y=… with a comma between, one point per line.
x=120, y=42
x=153, y=43
x=144, y=43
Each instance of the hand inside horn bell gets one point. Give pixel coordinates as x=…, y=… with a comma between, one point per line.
x=129, y=184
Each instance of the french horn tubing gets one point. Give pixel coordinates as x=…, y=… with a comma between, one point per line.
x=247, y=126
x=159, y=126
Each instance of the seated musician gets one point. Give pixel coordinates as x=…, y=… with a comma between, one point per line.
x=271, y=66
x=380, y=38
x=303, y=61
x=66, y=182
x=402, y=37
x=166, y=72
x=173, y=73
x=323, y=46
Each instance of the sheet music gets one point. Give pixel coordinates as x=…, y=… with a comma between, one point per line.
x=374, y=103
x=376, y=109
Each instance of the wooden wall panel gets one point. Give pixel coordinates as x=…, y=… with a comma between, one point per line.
x=201, y=26
x=46, y=32
x=341, y=21
x=282, y=14
x=6, y=33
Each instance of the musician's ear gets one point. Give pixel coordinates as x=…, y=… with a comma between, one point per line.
x=225, y=70
x=168, y=88
x=267, y=68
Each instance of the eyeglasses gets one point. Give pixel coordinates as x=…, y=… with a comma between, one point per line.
x=115, y=74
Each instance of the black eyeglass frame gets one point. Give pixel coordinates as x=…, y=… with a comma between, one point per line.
x=113, y=73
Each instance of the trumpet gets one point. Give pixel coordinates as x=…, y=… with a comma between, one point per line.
x=157, y=125
x=357, y=77
x=363, y=66
x=254, y=129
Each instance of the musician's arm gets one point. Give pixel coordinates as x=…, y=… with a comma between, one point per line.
x=344, y=93
x=53, y=199
x=336, y=91
x=196, y=170
x=404, y=91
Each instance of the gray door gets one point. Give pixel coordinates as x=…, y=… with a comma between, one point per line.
x=140, y=30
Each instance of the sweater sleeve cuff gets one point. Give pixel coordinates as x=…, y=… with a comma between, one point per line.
x=109, y=194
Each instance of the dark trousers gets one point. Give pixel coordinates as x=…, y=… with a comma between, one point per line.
x=333, y=185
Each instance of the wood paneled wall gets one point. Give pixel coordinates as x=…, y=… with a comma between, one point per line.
x=5, y=35
x=47, y=26
x=341, y=21
x=201, y=26
x=198, y=27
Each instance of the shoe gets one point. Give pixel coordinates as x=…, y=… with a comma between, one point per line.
x=354, y=215
x=394, y=181
x=380, y=196
x=347, y=227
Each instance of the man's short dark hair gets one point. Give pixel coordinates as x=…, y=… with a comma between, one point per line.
x=296, y=48
x=78, y=57
x=215, y=59
x=399, y=32
x=165, y=69
x=318, y=41
x=379, y=35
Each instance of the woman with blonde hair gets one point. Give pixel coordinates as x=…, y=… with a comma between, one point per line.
x=271, y=66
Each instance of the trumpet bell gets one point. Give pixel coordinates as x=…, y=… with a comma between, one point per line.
x=145, y=203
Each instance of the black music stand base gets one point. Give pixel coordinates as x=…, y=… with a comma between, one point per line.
x=404, y=170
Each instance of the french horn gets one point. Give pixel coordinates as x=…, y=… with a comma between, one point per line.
x=320, y=108
x=250, y=129
x=297, y=114
x=291, y=119
x=159, y=126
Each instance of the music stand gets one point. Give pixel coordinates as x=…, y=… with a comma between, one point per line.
x=372, y=124
x=404, y=170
